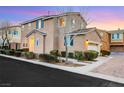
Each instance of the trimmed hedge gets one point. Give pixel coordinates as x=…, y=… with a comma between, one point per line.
x=17, y=53
x=23, y=50
x=79, y=55
x=91, y=54
x=71, y=55
x=105, y=52
x=29, y=55
x=63, y=53
x=48, y=58
x=55, y=53
x=2, y=51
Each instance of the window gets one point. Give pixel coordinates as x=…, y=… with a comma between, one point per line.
x=62, y=22
x=112, y=36
x=42, y=23
x=25, y=45
x=37, y=42
x=15, y=33
x=117, y=36
x=73, y=21
x=68, y=40
x=37, y=24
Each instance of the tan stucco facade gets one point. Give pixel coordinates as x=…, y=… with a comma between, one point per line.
x=55, y=33
x=79, y=43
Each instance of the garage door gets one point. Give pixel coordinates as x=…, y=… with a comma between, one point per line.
x=93, y=47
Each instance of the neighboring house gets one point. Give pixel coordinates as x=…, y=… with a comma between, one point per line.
x=105, y=44
x=116, y=40
x=46, y=33
x=14, y=35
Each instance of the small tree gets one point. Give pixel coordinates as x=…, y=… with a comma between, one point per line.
x=5, y=28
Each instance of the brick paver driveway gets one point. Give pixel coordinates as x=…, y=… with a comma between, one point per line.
x=114, y=67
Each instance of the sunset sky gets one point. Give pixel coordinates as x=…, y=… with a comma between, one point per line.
x=107, y=18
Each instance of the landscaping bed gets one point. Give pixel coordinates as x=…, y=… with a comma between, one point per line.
x=55, y=56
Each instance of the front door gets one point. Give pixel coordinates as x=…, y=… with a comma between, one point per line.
x=31, y=43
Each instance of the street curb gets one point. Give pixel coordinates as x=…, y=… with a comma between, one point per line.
x=77, y=70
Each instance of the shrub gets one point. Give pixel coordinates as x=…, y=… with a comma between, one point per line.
x=29, y=55
x=17, y=53
x=79, y=55
x=5, y=47
x=2, y=51
x=71, y=55
x=91, y=54
x=105, y=52
x=55, y=53
x=63, y=53
x=9, y=52
x=47, y=58
x=23, y=50
x=23, y=54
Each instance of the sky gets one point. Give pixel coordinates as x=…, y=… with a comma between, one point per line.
x=102, y=17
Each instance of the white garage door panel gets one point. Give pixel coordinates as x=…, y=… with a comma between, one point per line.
x=93, y=47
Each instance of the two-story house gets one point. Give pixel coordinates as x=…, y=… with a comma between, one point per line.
x=46, y=33
x=116, y=40
x=14, y=36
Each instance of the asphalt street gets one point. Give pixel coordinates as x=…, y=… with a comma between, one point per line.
x=15, y=73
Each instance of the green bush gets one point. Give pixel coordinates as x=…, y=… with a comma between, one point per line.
x=91, y=54
x=23, y=54
x=47, y=58
x=29, y=55
x=55, y=53
x=71, y=55
x=2, y=51
x=17, y=53
x=63, y=53
x=79, y=55
x=9, y=52
x=105, y=52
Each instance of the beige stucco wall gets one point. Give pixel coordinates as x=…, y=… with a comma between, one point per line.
x=25, y=30
x=13, y=38
x=79, y=43
x=36, y=49
x=54, y=33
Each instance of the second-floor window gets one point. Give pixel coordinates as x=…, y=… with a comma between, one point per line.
x=39, y=24
x=15, y=33
x=117, y=36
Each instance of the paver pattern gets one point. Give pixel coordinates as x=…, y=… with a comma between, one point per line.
x=114, y=67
